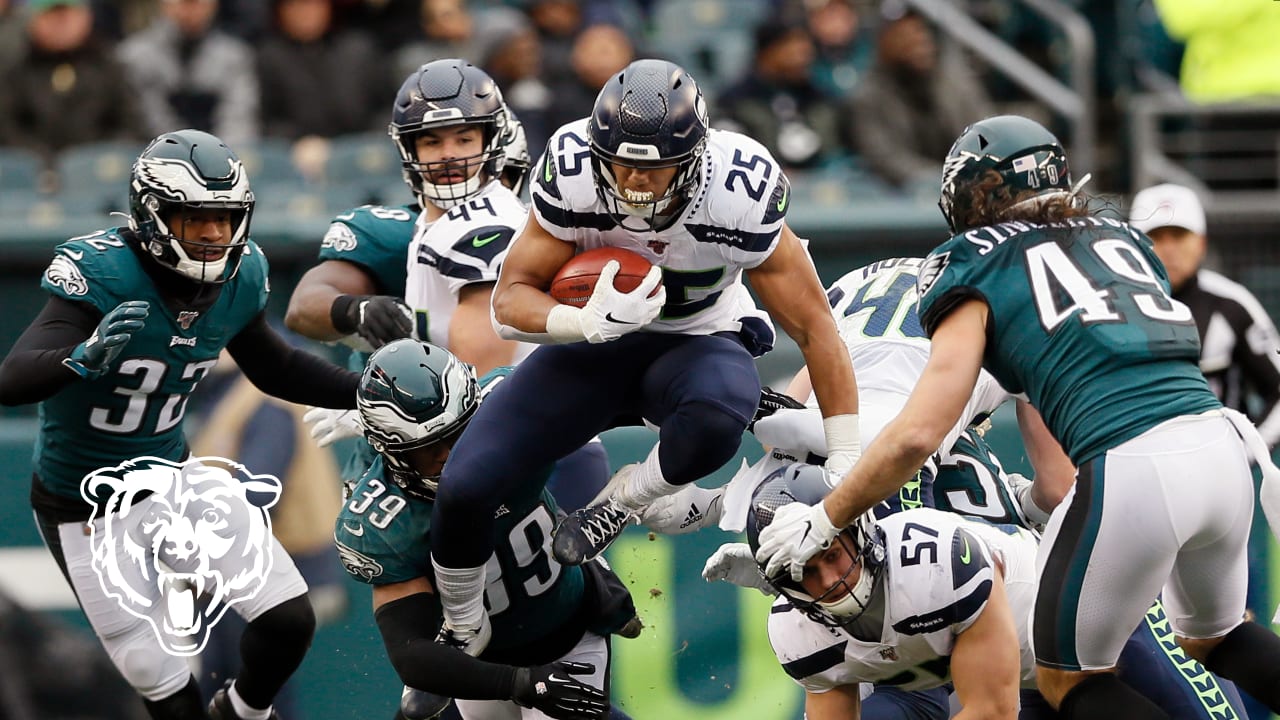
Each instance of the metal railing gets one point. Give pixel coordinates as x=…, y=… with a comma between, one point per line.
x=1074, y=100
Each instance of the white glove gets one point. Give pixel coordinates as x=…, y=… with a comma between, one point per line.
x=690, y=509
x=733, y=563
x=329, y=426
x=609, y=314
x=797, y=533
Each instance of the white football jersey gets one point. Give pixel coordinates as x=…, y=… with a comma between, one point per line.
x=732, y=223
x=467, y=245
x=937, y=582
x=875, y=311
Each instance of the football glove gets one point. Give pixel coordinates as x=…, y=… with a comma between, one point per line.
x=771, y=401
x=378, y=319
x=797, y=533
x=609, y=314
x=91, y=358
x=553, y=690
x=734, y=563
x=328, y=426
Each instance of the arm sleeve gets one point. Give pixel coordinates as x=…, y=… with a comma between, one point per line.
x=426, y=665
x=281, y=370
x=33, y=370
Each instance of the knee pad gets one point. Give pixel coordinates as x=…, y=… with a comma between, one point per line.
x=154, y=673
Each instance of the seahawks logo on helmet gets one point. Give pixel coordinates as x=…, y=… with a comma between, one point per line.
x=64, y=273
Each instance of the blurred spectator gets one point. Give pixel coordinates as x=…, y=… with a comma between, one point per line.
x=67, y=89
x=777, y=103
x=447, y=28
x=317, y=81
x=1231, y=49
x=190, y=74
x=508, y=48
x=599, y=52
x=557, y=22
x=13, y=39
x=843, y=48
x=912, y=104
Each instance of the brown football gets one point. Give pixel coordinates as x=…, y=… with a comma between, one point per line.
x=576, y=280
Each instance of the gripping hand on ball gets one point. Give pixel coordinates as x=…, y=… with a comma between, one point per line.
x=609, y=313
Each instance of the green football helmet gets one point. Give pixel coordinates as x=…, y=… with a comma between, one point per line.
x=189, y=169
x=414, y=394
x=996, y=164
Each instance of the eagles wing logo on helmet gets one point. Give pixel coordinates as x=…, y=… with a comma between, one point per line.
x=931, y=270
x=63, y=272
x=951, y=168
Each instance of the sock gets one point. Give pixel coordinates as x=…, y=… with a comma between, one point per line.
x=1105, y=696
x=186, y=704
x=645, y=484
x=461, y=592
x=1249, y=656
x=243, y=709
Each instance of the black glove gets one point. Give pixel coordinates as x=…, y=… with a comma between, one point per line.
x=91, y=358
x=378, y=319
x=772, y=401
x=552, y=690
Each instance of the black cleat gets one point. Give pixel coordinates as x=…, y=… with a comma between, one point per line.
x=220, y=706
x=587, y=532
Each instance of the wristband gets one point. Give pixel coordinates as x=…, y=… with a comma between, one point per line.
x=843, y=434
x=564, y=324
x=340, y=313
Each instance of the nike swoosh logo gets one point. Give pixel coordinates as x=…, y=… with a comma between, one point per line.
x=782, y=204
x=74, y=254
x=481, y=242
x=612, y=319
x=358, y=530
x=546, y=170
x=964, y=557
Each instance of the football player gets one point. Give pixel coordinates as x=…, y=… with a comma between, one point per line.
x=550, y=649
x=137, y=316
x=1073, y=311
x=644, y=173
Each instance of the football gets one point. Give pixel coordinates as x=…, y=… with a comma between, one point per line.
x=576, y=280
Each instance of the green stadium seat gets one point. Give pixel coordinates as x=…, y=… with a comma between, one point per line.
x=269, y=161
x=367, y=160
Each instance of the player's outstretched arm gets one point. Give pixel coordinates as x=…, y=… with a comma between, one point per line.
x=986, y=663
x=281, y=370
x=790, y=290
x=1054, y=471
x=33, y=369
x=331, y=302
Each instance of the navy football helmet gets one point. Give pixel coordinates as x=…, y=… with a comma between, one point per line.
x=447, y=93
x=650, y=115
x=516, y=148
x=844, y=600
x=189, y=169
x=413, y=394
x=997, y=164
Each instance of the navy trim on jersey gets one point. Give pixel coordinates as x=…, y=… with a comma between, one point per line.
x=754, y=242
x=818, y=662
x=835, y=295
x=1058, y=594
x=782, y=608
x=447, y=267
x=485, y=243
x=560, y=217
x=951, y=614
x=964, y=547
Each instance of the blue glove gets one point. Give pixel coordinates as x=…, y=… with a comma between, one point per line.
x=92, y=357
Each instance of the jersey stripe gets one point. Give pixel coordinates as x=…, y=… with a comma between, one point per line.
x=818, y=662
x=562, y=217
x=963, y=608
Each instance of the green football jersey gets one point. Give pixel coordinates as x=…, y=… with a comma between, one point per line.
x=970, y=481
x=135, y=408
x=384, y=536
x=375, y=238
x=1080, y=321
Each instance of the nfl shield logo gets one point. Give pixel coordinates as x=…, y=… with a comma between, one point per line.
x=186, y=317
x=888, y=653
x=658, y=246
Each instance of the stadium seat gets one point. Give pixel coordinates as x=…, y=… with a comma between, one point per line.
x=269, y=162
x=366, y=161
x=19, y=169
x=96, y=175
x=712, y=39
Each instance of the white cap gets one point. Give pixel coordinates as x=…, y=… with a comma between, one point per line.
x=1167, y=205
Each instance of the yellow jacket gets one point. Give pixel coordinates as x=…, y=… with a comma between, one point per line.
x=1233, y=47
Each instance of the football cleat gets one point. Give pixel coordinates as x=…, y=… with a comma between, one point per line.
x=586, y=533
x=471, y=641
x=422, y=705
x=220, y=706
